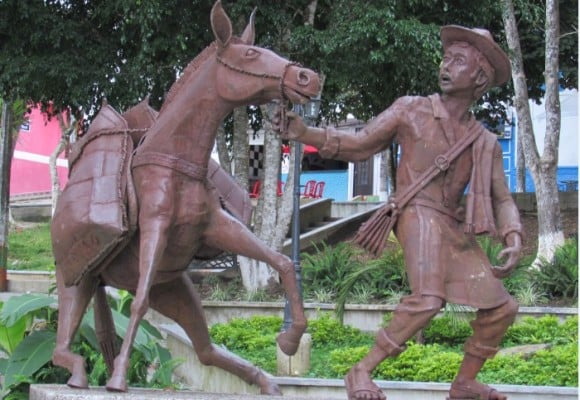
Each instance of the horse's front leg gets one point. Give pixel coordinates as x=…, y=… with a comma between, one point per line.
x=153, y=239
x=230, y=235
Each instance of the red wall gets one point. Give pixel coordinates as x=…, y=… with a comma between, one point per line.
x=29, y=171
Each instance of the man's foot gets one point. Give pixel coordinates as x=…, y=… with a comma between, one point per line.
x=359, y=386
x=471, y=389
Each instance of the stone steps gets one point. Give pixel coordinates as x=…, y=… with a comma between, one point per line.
x=62, y=392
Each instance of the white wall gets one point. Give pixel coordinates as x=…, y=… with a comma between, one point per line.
x=568, y=149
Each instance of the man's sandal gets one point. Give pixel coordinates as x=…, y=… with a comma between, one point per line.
x=475, y=391
x=366, y=389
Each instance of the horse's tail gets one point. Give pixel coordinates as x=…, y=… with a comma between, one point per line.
x=105, y=328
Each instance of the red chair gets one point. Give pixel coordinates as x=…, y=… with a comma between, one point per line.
x=318, y=190
x=255, y=190
x=309, y=188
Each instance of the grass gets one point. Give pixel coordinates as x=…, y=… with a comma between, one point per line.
x=30, y=249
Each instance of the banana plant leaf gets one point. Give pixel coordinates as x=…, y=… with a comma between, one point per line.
x=29, y=356
x=11, y=336
x=143, y=340
x=18, y=306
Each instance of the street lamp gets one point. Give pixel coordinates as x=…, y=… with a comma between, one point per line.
x=309, y=112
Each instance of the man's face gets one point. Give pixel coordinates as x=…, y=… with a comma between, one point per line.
x=458, y=69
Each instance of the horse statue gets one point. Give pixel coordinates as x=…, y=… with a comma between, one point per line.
x=134, y=218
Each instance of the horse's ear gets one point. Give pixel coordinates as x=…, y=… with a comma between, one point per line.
x=249, y=35
x=221, y=24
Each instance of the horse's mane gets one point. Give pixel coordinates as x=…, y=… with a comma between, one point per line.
x=190, y=70
x=187, y=73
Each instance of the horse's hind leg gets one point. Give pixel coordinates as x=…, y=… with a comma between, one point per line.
x=72, y=304
x=229, y=234
x=179, y=301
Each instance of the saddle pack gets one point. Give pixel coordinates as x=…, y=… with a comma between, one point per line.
x=97, y=212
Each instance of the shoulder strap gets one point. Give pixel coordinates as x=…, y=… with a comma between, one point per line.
x=441, y=164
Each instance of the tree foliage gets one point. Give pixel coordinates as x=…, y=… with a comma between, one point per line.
x=77, y=52
x=374, y=52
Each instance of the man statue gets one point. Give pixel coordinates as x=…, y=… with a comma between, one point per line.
x=443, y=260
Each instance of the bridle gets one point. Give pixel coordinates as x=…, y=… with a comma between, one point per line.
x=262, y=75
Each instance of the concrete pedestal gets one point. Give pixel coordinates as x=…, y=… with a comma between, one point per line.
x=299, y=363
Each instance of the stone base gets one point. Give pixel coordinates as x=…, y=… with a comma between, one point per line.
x=299, y=363
x=63, y=392
x=297, y=389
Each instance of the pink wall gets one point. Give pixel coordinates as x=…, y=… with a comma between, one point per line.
x=30, y=172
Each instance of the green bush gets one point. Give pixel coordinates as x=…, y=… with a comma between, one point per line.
x=349, y=274
x=336, y=348
x=429, y=363
x=341, y=360
x=329, y=331
x=421, y=363
x=557, y=366
x=559, y=278
x=448, y=330
x=324, y=270
x=546, y=329
x=247, y=334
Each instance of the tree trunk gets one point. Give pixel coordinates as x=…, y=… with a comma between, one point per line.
x=6, y=147
x=225, y=158
x=66, y=129
x=549, y=219
x=273, y=213
x=543, y=169
x=520, y=165
x=383, y=176
x=240, y=146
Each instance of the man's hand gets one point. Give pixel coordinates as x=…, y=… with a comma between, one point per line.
x=288, y=124
x=512, y=252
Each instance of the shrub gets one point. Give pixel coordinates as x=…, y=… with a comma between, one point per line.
x=328, y=267
x=559, y=278
x=253, y=334
x=554, y=367
x=546, y=329
x=421, y=363
x=341, y=360
x=378, y=278
x=447, y=330
x=329, y=331
x=336, y=348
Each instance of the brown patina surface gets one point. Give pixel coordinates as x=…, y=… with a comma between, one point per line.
x=135, y=218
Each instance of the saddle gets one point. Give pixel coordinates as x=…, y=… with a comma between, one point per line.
x=97, y=212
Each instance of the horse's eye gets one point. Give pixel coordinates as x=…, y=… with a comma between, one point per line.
x=252, y=53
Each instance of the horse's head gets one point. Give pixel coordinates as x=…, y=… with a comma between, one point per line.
x=250, y=74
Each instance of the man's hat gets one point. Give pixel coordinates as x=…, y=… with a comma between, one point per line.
x=482, y=40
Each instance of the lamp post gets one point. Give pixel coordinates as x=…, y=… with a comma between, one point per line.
x=309, y=112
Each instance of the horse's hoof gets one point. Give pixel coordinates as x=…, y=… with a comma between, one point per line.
x=266, y=385
x=271, y=390
x=78, y=382
x=117, y=384
x=288, y=343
